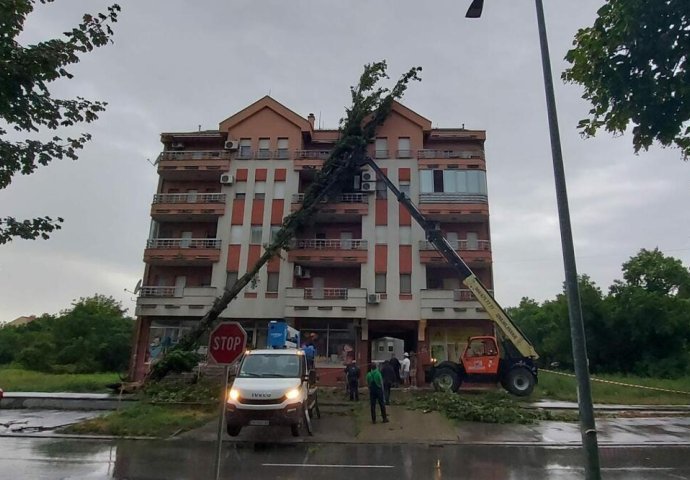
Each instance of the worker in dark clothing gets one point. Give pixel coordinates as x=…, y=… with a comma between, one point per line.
x=375, y=383
x=388, y=375
x=395, y=363
x=352, y=378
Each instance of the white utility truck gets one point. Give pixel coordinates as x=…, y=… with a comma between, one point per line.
x=274, y=386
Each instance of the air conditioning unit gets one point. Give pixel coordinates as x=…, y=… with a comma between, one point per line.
x=227, y=179
x=232, y=145
x=177, y=145
x=368, y=187
x=299, y=271
x=374, y=298
x=368, y=175
x=466, y=155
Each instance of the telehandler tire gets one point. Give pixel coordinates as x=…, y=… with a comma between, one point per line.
x=446, y=380
x=519, y=381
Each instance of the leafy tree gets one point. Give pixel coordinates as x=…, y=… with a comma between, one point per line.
x=27, y=106
x=634, y=67
x=656, y=273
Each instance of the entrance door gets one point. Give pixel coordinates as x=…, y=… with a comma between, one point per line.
x=191, y=196
x=346, y=240
x=472, y=241
x=186, y=240
x=317, y=288
x=180, y=283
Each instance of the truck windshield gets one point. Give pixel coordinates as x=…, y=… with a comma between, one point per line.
x=270, y=366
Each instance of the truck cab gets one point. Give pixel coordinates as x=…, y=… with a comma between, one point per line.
x=272, y=387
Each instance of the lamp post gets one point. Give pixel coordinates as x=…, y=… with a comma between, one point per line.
x=577, y=330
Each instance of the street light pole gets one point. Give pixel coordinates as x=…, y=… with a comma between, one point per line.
x=577, y=330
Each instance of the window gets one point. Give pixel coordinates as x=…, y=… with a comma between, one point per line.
x=405, y=235
x=260, y=190
x=245, y=150
x=236, y=234
x=405, y=283
x=279, y=190
x=240, y=190
x=381, y=235
x=453, y=181
x=404, y=187
x=426, y=179
x=274, y=230
x=283, y=152
x=381, y=190
x=380, y=283
x=272, y=282
x=257, y=232
x=381, y=148
x=472, y=241
x=231, y=279
x=264, y=149
x=334, y=341
x=404, y=147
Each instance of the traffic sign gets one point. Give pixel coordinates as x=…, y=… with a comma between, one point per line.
x=227, y=342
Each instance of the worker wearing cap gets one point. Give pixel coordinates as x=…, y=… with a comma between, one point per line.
x=405, y=370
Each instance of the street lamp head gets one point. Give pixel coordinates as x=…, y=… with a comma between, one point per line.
x=475, y=10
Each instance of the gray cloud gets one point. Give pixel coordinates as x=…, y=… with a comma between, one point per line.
x=176, y=65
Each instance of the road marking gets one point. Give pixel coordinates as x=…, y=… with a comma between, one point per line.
x=323, y=465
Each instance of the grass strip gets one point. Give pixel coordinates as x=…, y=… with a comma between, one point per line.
x=20, y=380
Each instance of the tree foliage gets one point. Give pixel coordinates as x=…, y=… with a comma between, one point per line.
x=633, y=65
x=641, y=326
x=93, y=336
x=371, y=105
x=27, y=106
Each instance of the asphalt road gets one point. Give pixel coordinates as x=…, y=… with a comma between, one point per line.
x=54, y=458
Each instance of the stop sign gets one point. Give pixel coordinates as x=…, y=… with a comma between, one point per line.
x=227, y=342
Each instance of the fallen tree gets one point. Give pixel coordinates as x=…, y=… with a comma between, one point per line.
x=371, y=105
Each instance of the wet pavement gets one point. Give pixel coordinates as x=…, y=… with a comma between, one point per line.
x=44, y=458
x=25, y=421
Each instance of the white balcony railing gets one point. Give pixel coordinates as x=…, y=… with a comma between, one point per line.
x=157, y=292
x=183, y=243
x=194, y=155
x=443, y=197
x=189, y=198
x=325, y=293
x=329, y=244
x=343, y=198
x=312, y=154
x=483, y=245
x=431, y=153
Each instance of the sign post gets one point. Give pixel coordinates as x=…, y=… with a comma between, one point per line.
x=225, y=345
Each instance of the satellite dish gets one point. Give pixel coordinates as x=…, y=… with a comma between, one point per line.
x=137, y=287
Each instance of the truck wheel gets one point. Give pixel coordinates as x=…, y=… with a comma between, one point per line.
x=234, y=430
x=295, y=429
x=519, y=382
x=446, y=380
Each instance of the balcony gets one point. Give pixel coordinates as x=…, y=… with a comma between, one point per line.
x=175, y=301
x=476, y=253
x=439, y=158
x=347, y=207
x=450, y=305
x=328, y=252
x=310, y=159
x=326, y=302
x=454, y=207
x=263, y=154
x=182, y=251
x=180, y=207
x=193, y=165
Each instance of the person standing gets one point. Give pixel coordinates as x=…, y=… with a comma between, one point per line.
x=375, y=383
x=405, y=370
x=352, y=377
x=388, y=375
x=395, y=363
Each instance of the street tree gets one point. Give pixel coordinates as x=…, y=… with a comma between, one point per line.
x=28, y=108
x=633, y=64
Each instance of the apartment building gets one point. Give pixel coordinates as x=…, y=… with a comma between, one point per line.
x=361, y=276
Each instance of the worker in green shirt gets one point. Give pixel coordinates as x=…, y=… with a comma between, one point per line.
x=375, y=383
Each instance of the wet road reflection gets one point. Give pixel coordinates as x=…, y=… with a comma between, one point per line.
x=45, y=458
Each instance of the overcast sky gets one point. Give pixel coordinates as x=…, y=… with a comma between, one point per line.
x=176, y=65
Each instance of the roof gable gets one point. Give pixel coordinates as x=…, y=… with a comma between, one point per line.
x=270, y=103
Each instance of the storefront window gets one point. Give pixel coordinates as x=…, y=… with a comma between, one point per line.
x=334, y=340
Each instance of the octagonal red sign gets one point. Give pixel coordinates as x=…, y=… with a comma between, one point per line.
x=227, y=342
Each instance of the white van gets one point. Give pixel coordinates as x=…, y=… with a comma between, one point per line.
x=272, y=387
